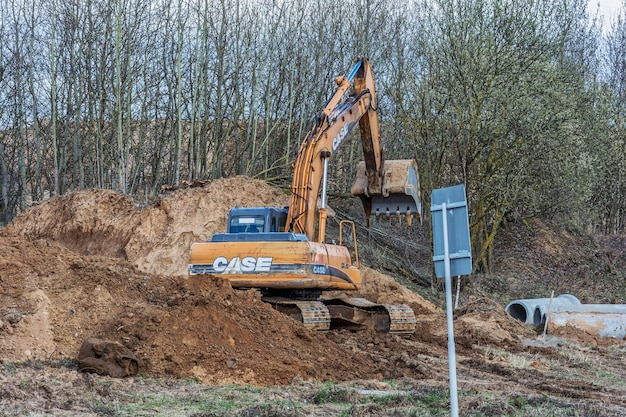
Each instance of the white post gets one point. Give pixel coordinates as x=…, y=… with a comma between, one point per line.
x=324, y=183
x=454, y=403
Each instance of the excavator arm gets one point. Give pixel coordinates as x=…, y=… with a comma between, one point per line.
x=376, y=177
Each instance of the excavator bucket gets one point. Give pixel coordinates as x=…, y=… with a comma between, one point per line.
x=400, y=193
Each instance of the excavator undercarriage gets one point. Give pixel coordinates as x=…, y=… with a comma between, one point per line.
x=350, y=313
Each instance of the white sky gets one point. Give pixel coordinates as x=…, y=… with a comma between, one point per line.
x=608, y=8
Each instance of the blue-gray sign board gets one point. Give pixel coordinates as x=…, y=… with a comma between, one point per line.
x=453, y=200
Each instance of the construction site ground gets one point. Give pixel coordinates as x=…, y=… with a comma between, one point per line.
x=99, y=264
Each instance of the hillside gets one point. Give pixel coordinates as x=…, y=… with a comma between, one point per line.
x=95, y=263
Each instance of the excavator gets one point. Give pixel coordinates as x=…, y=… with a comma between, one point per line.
x=282, y=251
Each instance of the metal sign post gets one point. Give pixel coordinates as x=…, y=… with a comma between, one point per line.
x=452, y=254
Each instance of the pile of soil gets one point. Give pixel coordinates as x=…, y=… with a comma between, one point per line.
x=156, y=239
x=94, y=264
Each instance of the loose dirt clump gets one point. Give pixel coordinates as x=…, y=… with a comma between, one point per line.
x=484, y=322
x=202, y=328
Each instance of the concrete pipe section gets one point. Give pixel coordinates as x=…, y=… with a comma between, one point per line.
x=604, y=320
x=532, y=311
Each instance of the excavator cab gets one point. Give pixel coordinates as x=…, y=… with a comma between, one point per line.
x=400, y=191
x=256, y=220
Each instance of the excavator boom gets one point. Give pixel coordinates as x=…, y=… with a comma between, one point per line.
x=389, y=187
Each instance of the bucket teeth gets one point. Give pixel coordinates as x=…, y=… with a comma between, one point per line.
x=399, y=192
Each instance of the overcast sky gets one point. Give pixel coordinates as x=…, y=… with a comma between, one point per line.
x=608, y=8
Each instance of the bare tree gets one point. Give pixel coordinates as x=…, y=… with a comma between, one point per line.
x=490, y=100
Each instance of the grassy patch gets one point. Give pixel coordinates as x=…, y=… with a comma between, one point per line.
x=10, y=368
x=185, y=398
x=516, y=360
x=610, y=378
x=489, y=405
x=331, y=393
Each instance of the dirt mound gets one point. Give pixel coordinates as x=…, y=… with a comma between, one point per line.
x=53, y=299
x=157, y=238
x=92, y=222
x=382, y=289
x=203, y=328
x=484, y=322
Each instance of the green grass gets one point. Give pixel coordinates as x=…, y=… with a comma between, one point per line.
x=140, y=396
x=610, y=378
x=331, y=393
x=10, y=367
x=518, y=405
x=191, y=399
x=166, y=404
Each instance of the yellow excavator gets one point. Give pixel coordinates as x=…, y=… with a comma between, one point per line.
x=282, y=251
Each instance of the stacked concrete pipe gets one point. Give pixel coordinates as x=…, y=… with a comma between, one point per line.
x=533, y=311
x=604, y=320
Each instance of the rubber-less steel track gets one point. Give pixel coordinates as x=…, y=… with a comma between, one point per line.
x=351, y=313
x=313, y=314
x=401, y=318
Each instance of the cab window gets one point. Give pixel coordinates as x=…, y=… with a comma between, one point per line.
x=246, y=224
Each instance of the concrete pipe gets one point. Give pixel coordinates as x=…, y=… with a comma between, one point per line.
x=533, y=310
x=604, y=320
x=603, y=324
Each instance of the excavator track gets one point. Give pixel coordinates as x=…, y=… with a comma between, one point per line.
x=313, y=314
x=388, y=318
x=401, y=318
x=348, y=313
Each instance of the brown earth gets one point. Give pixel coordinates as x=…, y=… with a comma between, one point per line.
x=95, y=264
